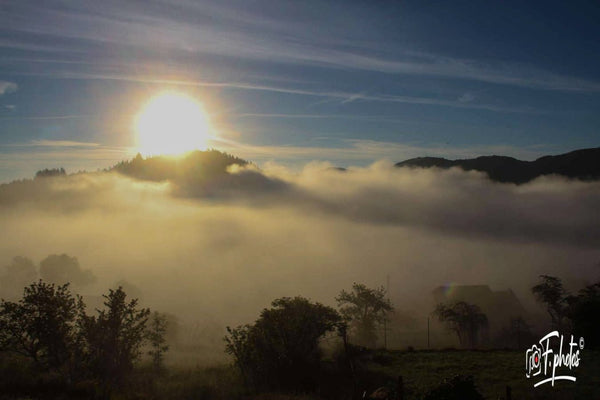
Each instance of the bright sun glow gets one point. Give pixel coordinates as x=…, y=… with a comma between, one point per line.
x=172, y=123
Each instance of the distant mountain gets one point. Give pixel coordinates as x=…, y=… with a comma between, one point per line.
x=579, y=164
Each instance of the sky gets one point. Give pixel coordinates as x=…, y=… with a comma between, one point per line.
x=350, y=82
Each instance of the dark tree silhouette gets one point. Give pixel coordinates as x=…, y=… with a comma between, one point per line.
x=574, y=312
x=45, y=173
x=42, y=325
x=19, y=273
x=517, y=334
x=113, y=337
x=365, y=309
x=583, y=310
x=552, y=293
x=155, y=335
x=280, y=351
x=464, y=319
x=195, y=166
x=63, y=268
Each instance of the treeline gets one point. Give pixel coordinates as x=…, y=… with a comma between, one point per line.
x=569, y=314
x=44, y=173
x=55, y=268
x=196, y=165
x=50, y=327
x=281, y=351
x=93, y=354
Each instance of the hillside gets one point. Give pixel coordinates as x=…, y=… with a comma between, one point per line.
x=196, y=165
x=579, y=164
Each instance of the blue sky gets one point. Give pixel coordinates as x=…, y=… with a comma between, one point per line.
x=295, y=81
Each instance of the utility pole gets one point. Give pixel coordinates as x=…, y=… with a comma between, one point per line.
x=387, y=290
x=427, y=332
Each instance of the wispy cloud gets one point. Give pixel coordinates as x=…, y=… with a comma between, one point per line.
x=343, y=97
x=7, y=87
x=466, y=98
x=61, y=143
x=255, y=36
x=22, y=160
x=368, y=151
x=46, y=117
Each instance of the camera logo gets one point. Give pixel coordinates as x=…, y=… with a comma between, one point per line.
x=544, y=360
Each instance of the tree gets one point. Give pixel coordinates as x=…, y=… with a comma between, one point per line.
x=63, y=268
x=465, y=319
x=552, y=293
x=517, y=334
x=156, y=337
x=114, y=337
x=45, y=173
x=19, y=273
x=42, y=325
x=365, y=309
x=280, y=350
x=583, y=310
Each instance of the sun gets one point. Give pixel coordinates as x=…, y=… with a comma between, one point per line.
x=171, y=124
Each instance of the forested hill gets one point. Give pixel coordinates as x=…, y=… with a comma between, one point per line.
x=194, y=165
x=579, y=164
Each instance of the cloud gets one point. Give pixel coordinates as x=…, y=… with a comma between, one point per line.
x=343, y=97
x=269, y=39
x=550, y=210
x=7, y=87
x=60, y=143
x=367, y=151
x=48, y=117
x=221, y=249
x=24, y=159
x=466, y=98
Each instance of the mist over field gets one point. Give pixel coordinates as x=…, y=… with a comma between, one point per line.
x=315, y=200
x=220, y=251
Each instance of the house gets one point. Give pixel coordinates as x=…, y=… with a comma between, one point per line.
x=499, y=306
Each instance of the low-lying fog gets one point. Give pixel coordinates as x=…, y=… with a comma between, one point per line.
x=219, y=258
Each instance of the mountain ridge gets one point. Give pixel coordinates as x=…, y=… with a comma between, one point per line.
x=582, y=164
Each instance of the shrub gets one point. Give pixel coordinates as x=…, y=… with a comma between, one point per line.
x=459, y=387
x=280, y=351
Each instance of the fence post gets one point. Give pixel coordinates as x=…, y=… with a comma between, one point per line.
x=400, y=388
x=508, y=393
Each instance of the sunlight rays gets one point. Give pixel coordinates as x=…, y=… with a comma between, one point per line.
x=171, y=124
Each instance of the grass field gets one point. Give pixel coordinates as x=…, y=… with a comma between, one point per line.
x=492, y=370
x=421, y=370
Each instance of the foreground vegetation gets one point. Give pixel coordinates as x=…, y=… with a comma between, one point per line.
x=421, y=371
x=492, y=371
x=51, y=346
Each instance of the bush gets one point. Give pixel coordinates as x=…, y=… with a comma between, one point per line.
x=459, y=387
x=280, y=351
x=113, y=338
x=42, y=325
